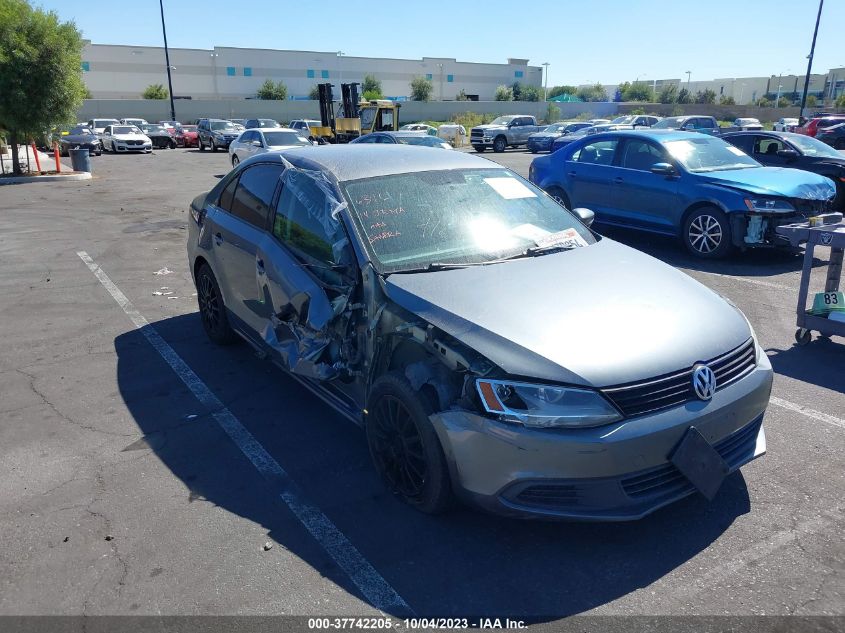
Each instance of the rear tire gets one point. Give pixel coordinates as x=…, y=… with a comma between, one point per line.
x=200, y=144
x=213, y=146
x=707, y=233
x=215, y=321
x=404, y=445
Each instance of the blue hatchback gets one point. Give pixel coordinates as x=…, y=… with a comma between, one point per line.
x=685, y=184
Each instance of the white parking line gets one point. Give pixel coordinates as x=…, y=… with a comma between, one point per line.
x=810, y=413
x=756, y=282
x=365, y=577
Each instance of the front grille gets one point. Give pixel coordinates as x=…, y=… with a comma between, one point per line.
x=667, y=480
x=550, y=495
x=671, y=390
x=134, y=142
x=476, y=133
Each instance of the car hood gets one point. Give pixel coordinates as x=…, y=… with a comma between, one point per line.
x=151, y=134
x=545, y=135
x=597, y=316
x=79, y=138
x=774, y=181
x=131, y=137
x=487, y=126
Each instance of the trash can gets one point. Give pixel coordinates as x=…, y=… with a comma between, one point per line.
x=80, y=160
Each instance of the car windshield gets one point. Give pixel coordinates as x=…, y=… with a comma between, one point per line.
x=105, y=122
x=222, y=125
x=276, y=139
x=268, y=123
x=124, y=129
x=706, y=154
x=154, y=128
x=462, y=216
x=189, y=128
x=810, y=146
x=671, y=123
x=502, y=120
x=555, y=127
x=428, y=141
x=86, y=130
x=623, y=119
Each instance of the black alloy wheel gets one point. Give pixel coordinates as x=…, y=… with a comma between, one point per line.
x=211, y=307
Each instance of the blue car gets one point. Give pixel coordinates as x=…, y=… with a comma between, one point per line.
x=542, y=141
x=697, y=187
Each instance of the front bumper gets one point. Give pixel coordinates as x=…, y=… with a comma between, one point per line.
x=481, y=140
x=540, y=144
x=759, y=229
x=123, y=147
x=617, y=472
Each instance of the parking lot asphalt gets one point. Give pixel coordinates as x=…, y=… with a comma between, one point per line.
x=121, y=492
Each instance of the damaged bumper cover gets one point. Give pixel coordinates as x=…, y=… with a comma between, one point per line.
x=614, y=473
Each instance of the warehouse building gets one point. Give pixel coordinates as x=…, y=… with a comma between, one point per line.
x=123, y=72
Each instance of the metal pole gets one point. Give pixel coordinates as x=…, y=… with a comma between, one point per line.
x=167, y=61
x=810, y=60
x=780, y=85
x=546, y=83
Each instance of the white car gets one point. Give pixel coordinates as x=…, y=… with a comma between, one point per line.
x=785, y=125
x=266, y=139
x=136, y=122
x=99, y=125
x=125, y=138
x=419, y=127
x=303, y=126
x=748, y=124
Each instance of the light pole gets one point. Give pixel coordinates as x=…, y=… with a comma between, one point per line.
x=741, y=92
x=440, y=66
x=214, y=57
x=546, y=82
x=689, y=74
x=810, y=61
x=777, y=98
x=167, y=61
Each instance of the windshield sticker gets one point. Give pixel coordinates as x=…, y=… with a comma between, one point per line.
x=530, y=232
x=737, y=151
x=568, y=238
x=510, y=188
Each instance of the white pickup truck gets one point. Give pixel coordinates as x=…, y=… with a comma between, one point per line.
x=502, y=132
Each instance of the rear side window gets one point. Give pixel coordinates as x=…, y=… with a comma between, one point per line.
x=227, y=195
x=641, y=155
x=598, y=153
x=255, y=192
x=705, y=123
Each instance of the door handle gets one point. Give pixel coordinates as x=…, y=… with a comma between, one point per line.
x=259, y=266
x=218, y=239
x=571, y=173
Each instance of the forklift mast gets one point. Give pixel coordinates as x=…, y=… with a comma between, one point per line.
x=326, y=105
x=350, y=100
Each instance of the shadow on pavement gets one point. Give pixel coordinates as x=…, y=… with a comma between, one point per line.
x=752, y=263
x=461, y=564
x=816, y=363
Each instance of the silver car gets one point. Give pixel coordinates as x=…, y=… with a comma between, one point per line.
x=492, y=346
x=259, y=141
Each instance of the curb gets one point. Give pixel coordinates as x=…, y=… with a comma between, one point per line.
x=17, y=180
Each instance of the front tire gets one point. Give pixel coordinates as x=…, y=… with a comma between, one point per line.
x=215, y=322
x=559, y=196
x=707, y=233
x=500, y=144
x=404, y=446
x=213, y=146
x=200, y=144
x=235, y=160
x=479, y=148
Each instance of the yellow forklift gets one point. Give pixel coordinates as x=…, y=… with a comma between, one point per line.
x=359, y=117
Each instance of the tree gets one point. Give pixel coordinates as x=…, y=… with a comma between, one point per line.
x=155, y=91
x=593, y=93
x=421, y=89
x=705, y=96
x=314, y=94
x=87, y=94
x=684, y=96
x=503, y=93
x=371, y=86
x=783, y=102
x=636, y=92
x=726, y=100
x=840, y=101
x=461, y=96
x=556, y=91
x=764, y=102
x=40, y=72
x=272, y=91
x=529, y=93
x=812, y=101
x=669, y=94
x=552, y=113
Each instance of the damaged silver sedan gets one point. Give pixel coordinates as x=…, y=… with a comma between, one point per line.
x=493, y=347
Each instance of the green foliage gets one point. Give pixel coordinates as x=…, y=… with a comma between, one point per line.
x=684, y=96
x=471, y=119
x=371, y=94
x=503, y=93
x=585, y=116
x=421, y=89
x=87, y=94
x=593, y=93
x=669, y=94
x=371, y=86
x=552, y=113
x=270, y=91
x=764, y=102
x=529, y=93
x=155, y=91
x=726, y=100
x=40, y=72
x=677, y=111
x=840, y=101
x=783, y=102
x=812, y=102
x=637, y=91
x=314, y=94
x=637, y=111
x=516, y=89
x=556, y=91
x=461, y=96
x=705, y=96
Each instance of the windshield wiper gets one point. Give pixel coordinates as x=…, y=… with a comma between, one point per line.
x=549, y=248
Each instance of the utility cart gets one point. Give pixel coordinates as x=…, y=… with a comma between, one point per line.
x=827, y=316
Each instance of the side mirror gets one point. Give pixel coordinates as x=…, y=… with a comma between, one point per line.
x=663, y=169
x=788, y=153
x=585, y=215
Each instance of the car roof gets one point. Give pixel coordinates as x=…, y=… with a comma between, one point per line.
x=271, y=129
x=660, y=136
x=363, y=160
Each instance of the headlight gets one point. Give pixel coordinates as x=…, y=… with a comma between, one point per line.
x=750, y=327
x=545, y=406
x=768, y=204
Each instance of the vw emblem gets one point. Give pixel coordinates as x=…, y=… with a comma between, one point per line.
x=703, y=382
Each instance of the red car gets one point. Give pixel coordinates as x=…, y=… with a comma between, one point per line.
x=186, y=136
x=811, y=127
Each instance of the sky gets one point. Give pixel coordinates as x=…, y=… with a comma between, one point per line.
x=615, y=41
